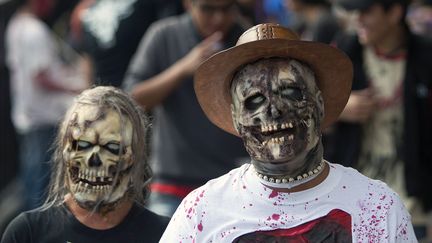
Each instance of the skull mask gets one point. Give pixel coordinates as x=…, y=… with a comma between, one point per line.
x=98, y=155
x=277, y=109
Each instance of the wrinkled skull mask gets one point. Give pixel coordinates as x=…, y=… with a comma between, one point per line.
x=98, y=155
x=277, y=109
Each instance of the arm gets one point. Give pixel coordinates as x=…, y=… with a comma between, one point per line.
x=154, y=90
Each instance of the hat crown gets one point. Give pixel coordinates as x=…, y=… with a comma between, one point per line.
x=266, y=31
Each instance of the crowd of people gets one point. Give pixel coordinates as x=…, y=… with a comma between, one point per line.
x=239, y=122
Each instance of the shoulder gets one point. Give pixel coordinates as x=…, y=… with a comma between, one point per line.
x=145, y=223
x=210, y=194
x=358, y=178
x=148, y=219
x=362, y=188
x=220, y=185
x=22, y=228
x=169, y=25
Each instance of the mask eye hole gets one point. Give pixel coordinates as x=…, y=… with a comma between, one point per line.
x=254, y=101
x=81, y=144
x=292, y=92
x=114, y=148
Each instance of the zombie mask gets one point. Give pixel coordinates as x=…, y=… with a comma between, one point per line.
x=98, y=155
x=277, y=109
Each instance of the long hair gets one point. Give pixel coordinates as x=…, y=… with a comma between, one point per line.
x=119, y=101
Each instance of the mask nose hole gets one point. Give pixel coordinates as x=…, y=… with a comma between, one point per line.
x=273, y=111
x=94, y=160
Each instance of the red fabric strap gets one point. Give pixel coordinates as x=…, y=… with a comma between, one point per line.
x=176, y=190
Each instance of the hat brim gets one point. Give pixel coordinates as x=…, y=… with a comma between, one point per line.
x=333, y=72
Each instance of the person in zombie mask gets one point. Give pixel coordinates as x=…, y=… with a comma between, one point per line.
x=277, y=93
x=100, y=177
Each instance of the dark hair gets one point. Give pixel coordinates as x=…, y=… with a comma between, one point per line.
x=388, y=4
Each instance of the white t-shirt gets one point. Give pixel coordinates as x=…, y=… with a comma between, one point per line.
x=236, y=207
x=32, y=48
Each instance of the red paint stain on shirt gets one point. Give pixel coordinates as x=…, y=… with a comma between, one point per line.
x=275, y=216
x=273, y=194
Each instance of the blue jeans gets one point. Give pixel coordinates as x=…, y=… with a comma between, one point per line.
x=35, y=155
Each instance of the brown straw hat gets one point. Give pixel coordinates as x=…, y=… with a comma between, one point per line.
x=333, y=71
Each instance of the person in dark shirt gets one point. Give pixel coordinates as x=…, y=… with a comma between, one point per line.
x=187, y=150
x=100, y=177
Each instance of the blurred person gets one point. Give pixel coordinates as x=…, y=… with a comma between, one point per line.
x=386, y=128
x=187, y=149
x=319, y=24
x=100, y=177
x=419, y=17
x=43, y=84
x=108, y=33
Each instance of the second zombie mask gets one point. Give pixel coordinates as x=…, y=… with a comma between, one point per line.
x=277, y=109
x=98, y=155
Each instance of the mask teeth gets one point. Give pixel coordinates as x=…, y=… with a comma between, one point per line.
x=80, y=186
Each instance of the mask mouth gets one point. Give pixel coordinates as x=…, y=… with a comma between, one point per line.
x=276, y=133
x=94, y=178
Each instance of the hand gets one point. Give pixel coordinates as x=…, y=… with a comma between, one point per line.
x=201, y=52
x=360, y=107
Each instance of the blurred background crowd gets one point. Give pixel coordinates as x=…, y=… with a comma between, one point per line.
x=50, y=50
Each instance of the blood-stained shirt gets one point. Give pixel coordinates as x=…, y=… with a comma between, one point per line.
x=345, y=207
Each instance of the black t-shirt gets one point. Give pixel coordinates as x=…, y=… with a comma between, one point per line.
x=58, y=225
